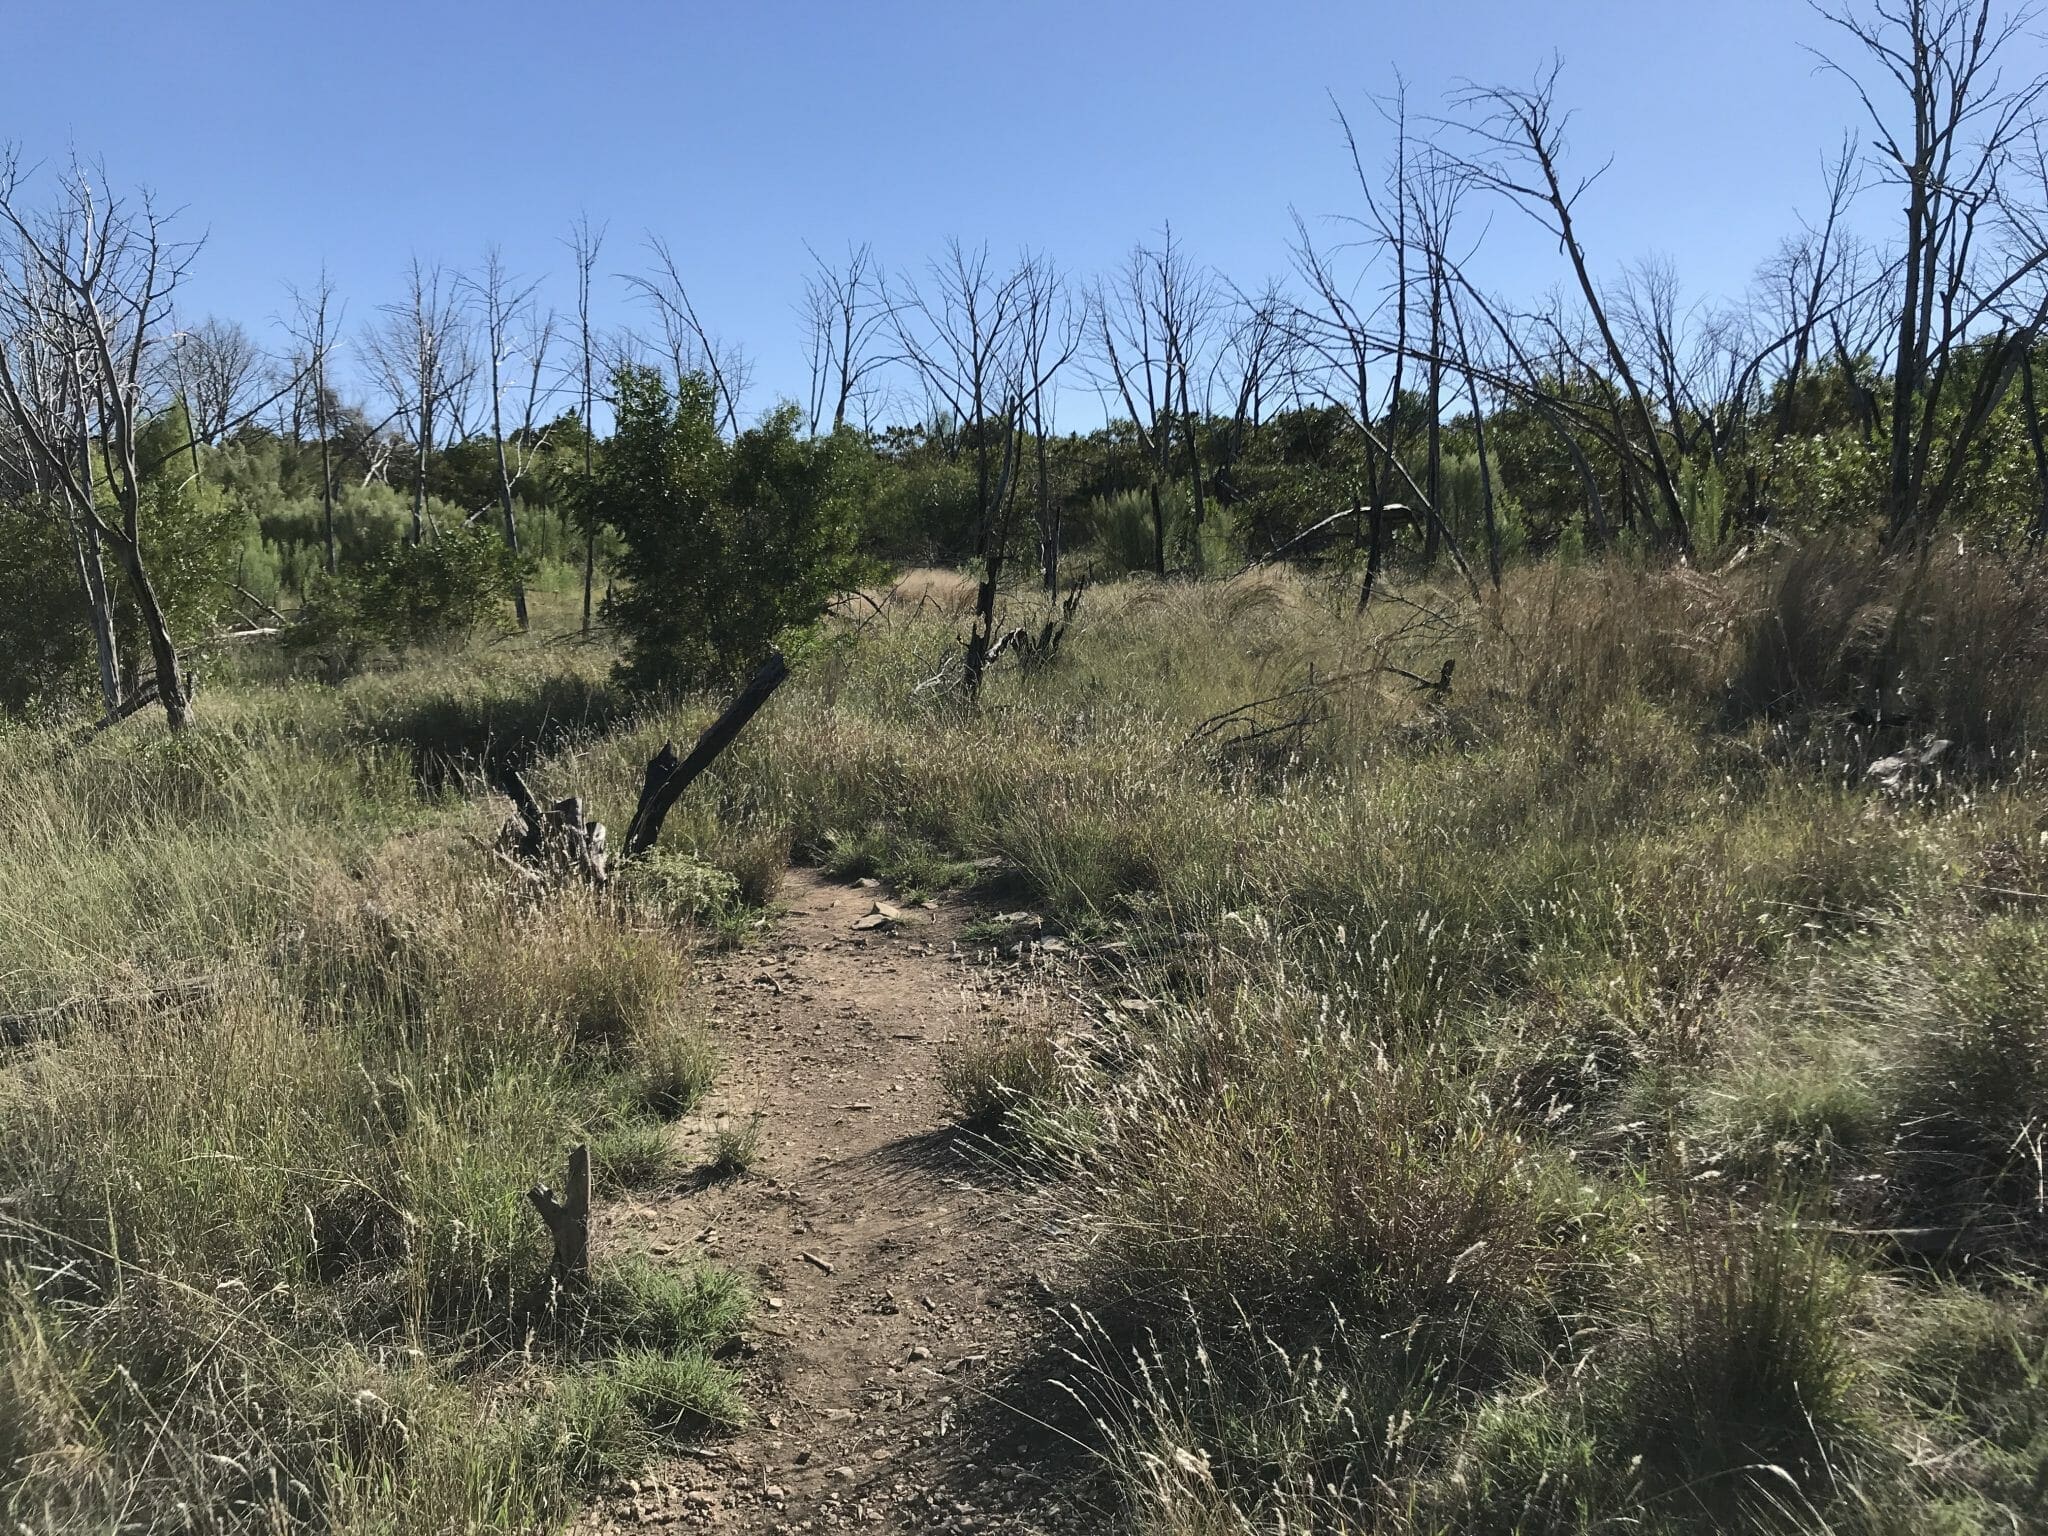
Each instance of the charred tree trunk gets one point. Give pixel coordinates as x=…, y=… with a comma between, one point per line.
x=2032, y=411
x=667, y=779
x=1433, y=538
x=995, y=537
x=171, y=687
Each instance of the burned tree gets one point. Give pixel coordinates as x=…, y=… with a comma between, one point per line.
x=1949, y=140
x=846, y=320
x=1147, y=324
x=504, y=305
x=216, y=369
x=689, y=343
x=958, y=330
x=585, y=243
x=313, y=333
x=1048, y=336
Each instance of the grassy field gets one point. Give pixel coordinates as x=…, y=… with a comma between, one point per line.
x=295, y=1051
x=1586, y=1098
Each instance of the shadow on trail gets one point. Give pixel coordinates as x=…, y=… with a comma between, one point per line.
x=1023, y=1453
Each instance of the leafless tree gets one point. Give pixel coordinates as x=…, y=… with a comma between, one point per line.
x=510, y=327
x=1391, y=222
x=1949, y=139
x=1340, y=344
x=1523, y=148
x=216, y=369
x=1520, y=374
x=421, y=357
x=1463, y=343
x=48, y=365
x=315, y=314
x=690, y=345
x=958, y=330
x=1249, y=368
x=85, y=310
x=585, y=244
x=846, y=322
x=1049, y=330
x=1148, y=326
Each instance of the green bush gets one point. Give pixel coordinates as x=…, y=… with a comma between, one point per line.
x=729, y=546
x=46, y=649
x=409, y=596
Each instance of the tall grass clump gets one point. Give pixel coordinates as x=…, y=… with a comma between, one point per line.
x=284, y=1051
x=1449, y=1010
x=1948, y=644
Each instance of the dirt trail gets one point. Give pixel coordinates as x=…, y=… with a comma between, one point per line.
x=895, y=1267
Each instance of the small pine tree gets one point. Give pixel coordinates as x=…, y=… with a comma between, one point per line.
x=729, y=547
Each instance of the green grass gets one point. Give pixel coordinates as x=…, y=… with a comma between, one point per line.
x=1586, y=1101
x=736, y=1148
x=299, y=1048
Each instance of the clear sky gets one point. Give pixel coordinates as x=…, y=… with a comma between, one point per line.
x=358, y=133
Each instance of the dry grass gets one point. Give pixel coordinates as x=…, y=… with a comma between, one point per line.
x=1537, y=1080
x=925, y=591
x=264, y=1237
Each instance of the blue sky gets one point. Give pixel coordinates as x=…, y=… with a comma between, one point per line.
x=357, y=134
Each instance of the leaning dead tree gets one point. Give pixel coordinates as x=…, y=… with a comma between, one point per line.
x=85, y=309
x=1521, y=134
x=558, y=841
x=690, y=344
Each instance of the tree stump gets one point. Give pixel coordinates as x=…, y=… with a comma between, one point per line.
x=568, y=1223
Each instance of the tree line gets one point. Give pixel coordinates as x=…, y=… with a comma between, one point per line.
x=168, y=484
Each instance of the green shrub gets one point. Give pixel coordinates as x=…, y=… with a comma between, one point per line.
x=407, y=596
x=729, y=546
x=683, y=890
x=46, y=645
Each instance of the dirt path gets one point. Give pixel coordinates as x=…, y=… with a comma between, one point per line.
x=894, y=1266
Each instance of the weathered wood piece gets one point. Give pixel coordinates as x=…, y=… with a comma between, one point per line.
x=667, y=779
x=1038, y=650
x=38, y=1023
x=568, y=1223
x=556, y=840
